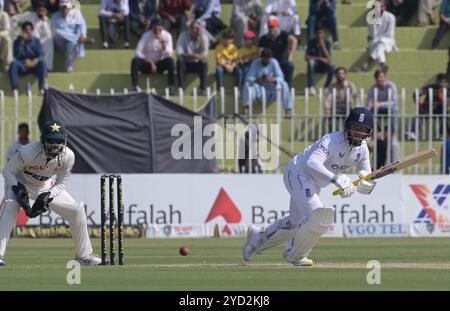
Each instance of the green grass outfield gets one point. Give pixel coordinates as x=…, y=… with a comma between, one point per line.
x=215, y=264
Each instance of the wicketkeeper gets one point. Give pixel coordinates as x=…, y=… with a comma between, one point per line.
x=39, y=171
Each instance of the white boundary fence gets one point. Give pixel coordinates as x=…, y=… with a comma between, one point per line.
x=424, y=130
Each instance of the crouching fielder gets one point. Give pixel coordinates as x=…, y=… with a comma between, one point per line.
x=316, y=167
x=40, y=171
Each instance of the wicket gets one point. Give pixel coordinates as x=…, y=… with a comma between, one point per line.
x=112, y=219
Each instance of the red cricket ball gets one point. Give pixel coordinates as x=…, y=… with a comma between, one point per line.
x=184, y=250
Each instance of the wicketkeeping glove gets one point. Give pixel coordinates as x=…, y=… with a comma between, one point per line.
x=365, y=186
x=41, y=204
x=22, y=199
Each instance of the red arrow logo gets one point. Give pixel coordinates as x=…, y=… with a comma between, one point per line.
x=225, y=207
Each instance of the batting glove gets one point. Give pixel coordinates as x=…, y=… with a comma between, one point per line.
x=365, y=186
x=345, y=184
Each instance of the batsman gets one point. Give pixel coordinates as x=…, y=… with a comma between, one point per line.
x=40, y=171
x=320, y=164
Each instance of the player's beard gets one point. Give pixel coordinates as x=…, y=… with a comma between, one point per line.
x=356, y=141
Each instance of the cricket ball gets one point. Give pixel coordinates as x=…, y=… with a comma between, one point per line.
x=184, y=251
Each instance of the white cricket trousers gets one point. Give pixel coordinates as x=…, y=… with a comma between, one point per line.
x=63, y=205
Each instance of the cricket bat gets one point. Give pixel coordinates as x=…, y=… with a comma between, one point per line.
x=395, y=166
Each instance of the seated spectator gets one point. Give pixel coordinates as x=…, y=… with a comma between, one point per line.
x=381, y=39
x=42, y=29
x=51, y=5
x=318, y=57
x=70, y=33
x=6, y=54
x=426, y=8
x=24, y=139
x=192, y=52
x=173, y=14
x=246, y=16
x=113, y=15
x=322, y=13
x=142, y=13
x=403, y=10
x=444, y=23
x=287, y=14
x=207, y=13
x=28, y=59
x=437, y=101
x=227, y=59
x=13, y=7
x=283, y=46
x=385, y=99
x=342, y=87
x=154, y=55
x=265, y=73
x=247, y=54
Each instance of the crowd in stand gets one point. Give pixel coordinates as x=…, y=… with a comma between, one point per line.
x=258, y=48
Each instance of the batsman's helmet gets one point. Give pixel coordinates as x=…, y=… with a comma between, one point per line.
x=362, y=120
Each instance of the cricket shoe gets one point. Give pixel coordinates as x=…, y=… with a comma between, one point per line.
x=249, y=248
x=91, y=260
x=2, y=263
x=304, y=262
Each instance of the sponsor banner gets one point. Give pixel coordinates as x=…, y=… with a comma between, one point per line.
x=177, y=231
x=430, y=230
x=61, y=231
x=376, y=230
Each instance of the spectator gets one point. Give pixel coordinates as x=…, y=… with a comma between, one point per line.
x=322, y=13
x=246, y=16
x=42, y=29
x=207, y=12
x=383, y=96
x=265, y=73
x=28, y=58
x=318, y=57
x=426, y=8
x=192, y=52
x=448, y=65
x=283, y=46
x=403, y=10
x=173, y=14
x=70, y=33
x=6, y=54
x=154, y=55
x=114, y=14
x=287, y=14
x=24, y=138
x=444, y=23
x=51, y=5
x=342, y=87
x=248, y=159
x=381, y=38
x=142, y=13
x=446, y=160
x=437, y=101
x=13, y=7
x=227, y=59
x=383, y=142
x=247, y=54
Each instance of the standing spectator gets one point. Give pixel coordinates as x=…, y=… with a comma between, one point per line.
x=70, y=33
x=13, y=7
x=437, y=101
x=283, y=46
x=247, y=54
x=142, y=13
x=343, y=88
x=24, y=138
x=51, y=5
x=322, y=13
x=248, y=159
x=173, y=14
x=381, y=38
x=207, y=12
x=383, y=143
x=154, y=55
x=287, y=14
x=446, y=160
x=6, y=54
x=426, y=8
x=227, y=59
x=444, y=23
x=246, y=16
x=403, y=10
x=385, y=99
x=114, y=14
x=265, y=73
x=448, y=65
x=192, y=52
x=42, y=29
x=28, y=58
x=318, y=57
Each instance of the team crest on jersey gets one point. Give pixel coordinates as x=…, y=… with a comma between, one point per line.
x=308, y=192
x=358, y=157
